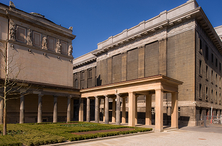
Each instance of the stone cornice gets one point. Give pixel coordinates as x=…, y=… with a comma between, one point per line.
x=36, y=21
x=87, y=61
x=165, y=19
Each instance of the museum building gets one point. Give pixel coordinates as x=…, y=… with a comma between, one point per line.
x=39, y=60
x=164, y=70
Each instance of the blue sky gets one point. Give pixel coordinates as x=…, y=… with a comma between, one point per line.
x=94, y=21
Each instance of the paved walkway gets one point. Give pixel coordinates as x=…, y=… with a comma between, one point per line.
x=186, y=136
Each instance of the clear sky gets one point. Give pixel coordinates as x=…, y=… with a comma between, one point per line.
x=94, y=21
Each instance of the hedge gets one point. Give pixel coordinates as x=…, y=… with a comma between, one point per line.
x=34, y=134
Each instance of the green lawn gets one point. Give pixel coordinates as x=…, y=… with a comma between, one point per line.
x=46, y=133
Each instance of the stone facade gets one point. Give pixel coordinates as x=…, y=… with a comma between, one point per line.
x=39, y=56
x=179, y=43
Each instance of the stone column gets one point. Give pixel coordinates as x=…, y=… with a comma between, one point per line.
x=88, y=109
x=136, y=109
x=118, y=109
x=22, y=109
x=106, y=109
x=114, y=110
x=55, y=110
x=158, y=110
x=96, y=109
x=80, y=109
x=148, y=109
x=174, y=115
x=69, y=108
x=39, y=120
x=124, y=110
x=1, y=110
x=131, y=111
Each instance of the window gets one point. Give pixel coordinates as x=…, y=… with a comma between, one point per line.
x=200, y=67
x=212, y=76
x=200, y=91
x=216, y=62
x=216, y=80
x=206, y=72
x=90, y=73
x=206, y=93
x=212, y=57
x=212, y=95
x=207, y=50
x=219, y=66
x=201, y=46
x=215, y=100
x=82, y=75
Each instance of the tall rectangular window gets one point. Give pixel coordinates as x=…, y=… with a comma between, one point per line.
x=207, y=51
x=212, y=76
x=212, y=57
x=216, y=62
x=200, y=91
x=200, y=67
x=206, y=72
x=207, y=94
x=219, y=66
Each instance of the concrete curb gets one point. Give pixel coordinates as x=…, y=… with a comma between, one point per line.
x=97, y=139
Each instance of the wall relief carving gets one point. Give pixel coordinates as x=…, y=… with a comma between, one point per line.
x=29, y=37
x=44, y=43
x=58, y=47
x=12, y=30
x=70, y=50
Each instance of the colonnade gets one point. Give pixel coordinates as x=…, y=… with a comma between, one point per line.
x=132, y=108
x=39, y=110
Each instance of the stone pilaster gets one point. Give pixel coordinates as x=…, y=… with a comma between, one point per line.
x=124, y=60
x=39, y=120
x=22, y=109
x=114, y=111
x=88, y=109
x=162, y=56
x=118, y=109
x=106, y=109
x=55, y=109
x=141, y=62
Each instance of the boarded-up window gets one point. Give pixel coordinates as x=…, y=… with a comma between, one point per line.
x=89, y=80
x=64, y=47
x=132, y=64
x=36, y=39
x=117, y=63
x=51, y=43
x=152, y=59
x=21, y=34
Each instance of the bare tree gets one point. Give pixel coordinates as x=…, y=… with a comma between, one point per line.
x=11, y=87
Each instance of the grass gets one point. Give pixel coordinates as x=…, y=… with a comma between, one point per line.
x=33, y=134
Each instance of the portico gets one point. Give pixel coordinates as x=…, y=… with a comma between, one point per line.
x=157, y=85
